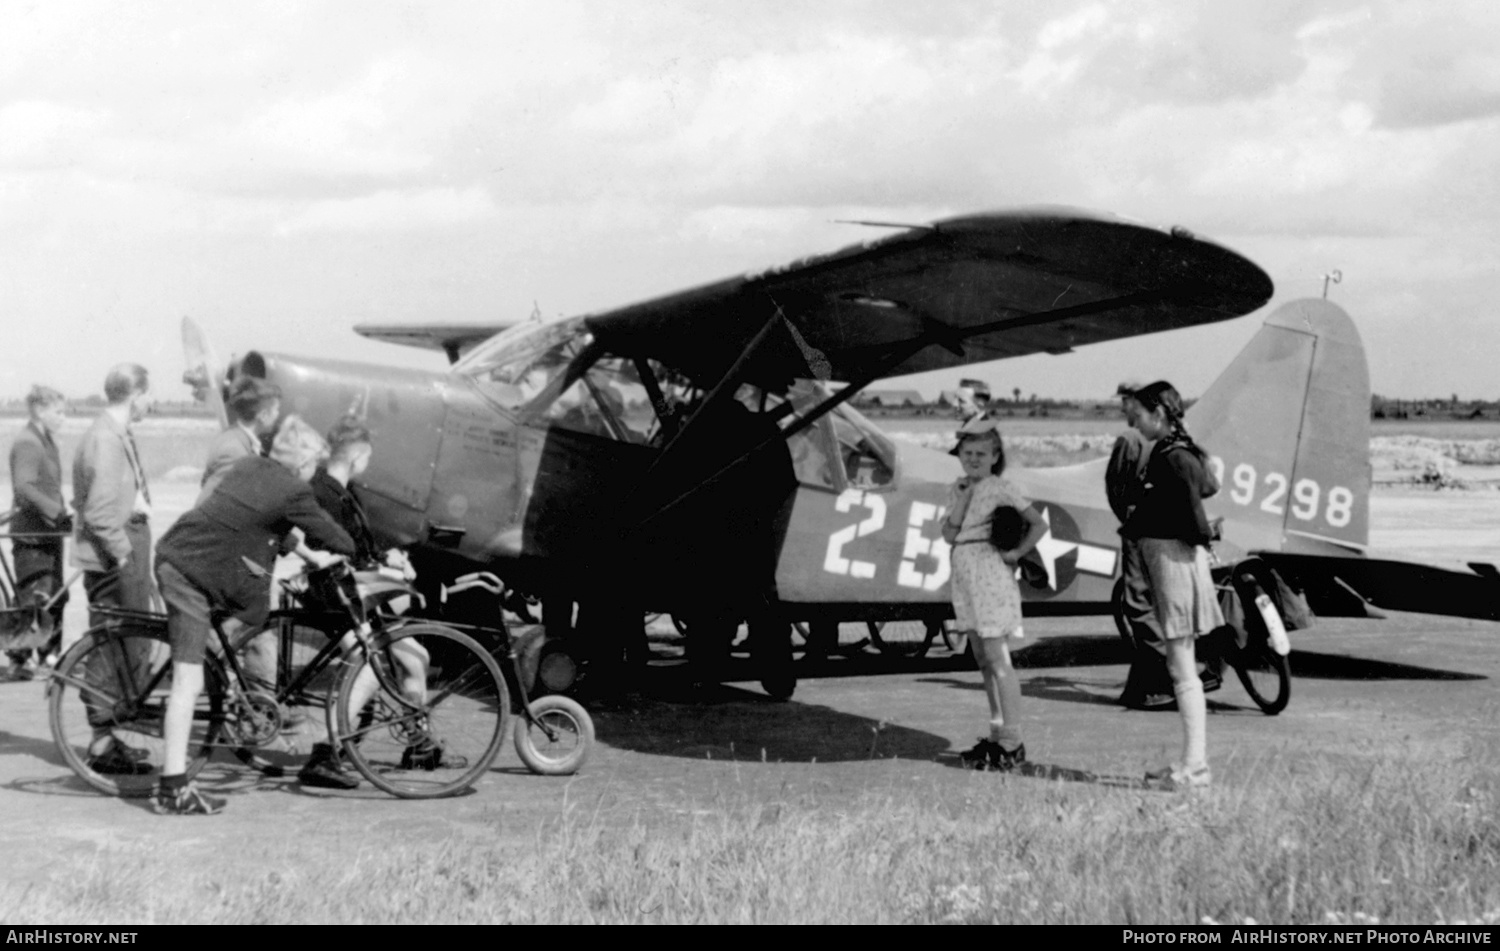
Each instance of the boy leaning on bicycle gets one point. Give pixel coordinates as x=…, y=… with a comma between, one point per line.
x=199, y=569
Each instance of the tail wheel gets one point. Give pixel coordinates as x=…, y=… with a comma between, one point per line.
x=1265, y=674
x=558, y=742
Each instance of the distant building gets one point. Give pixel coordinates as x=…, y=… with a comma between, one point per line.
x=892, y=399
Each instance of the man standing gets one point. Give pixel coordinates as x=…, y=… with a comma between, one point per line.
x=112, y=543
x=39, y=521
x=254, y=406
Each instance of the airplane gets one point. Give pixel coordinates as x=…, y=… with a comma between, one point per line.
x=695, y=454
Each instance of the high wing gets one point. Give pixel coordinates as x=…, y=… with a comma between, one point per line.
x=962, y=290
x=453, y=339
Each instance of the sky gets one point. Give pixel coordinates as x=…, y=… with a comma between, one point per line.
x=281, y=171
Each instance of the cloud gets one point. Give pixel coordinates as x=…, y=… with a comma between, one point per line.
x=391, y=210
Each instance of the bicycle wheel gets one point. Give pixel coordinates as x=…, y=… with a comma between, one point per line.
x=900, y=638
x=421, y=747
x=559, y=742
x=1265, y=674
x=108, y=696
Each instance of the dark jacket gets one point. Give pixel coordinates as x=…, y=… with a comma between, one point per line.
x=1177, y=482
x=341, y=503
x=36, y=475
x=1125, y=478
x=253, y=508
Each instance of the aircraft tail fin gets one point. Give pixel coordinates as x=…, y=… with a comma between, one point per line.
x=1288, y=427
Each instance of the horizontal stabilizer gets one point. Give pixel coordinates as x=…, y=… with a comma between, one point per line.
x=1390, y=584
x=452, y=339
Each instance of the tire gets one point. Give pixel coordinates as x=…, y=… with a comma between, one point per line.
x=564, y=752
x=464, y=713
x=899, y=641
x=129, y=701
x=1265, y=674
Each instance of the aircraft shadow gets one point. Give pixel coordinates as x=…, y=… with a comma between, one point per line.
x=721, y=722
x=1341, y=667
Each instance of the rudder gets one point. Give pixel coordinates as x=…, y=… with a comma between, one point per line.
x=1288, y=428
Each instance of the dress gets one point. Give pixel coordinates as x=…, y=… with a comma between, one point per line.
x=986, y=597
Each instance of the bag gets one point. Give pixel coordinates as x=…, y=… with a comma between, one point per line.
x=1007, y=528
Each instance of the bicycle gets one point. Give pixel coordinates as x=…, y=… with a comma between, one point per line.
x=1262, y=670
x=420, y=734
x=20, y=623
x=553, y=733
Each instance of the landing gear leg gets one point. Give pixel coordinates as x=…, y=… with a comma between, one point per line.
x=771, y=652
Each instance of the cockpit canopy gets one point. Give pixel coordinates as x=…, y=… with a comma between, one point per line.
x=554, y=375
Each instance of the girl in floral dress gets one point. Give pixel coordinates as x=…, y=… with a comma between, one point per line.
x=986, y=598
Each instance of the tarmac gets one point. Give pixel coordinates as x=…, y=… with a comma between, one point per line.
x=1419, y=684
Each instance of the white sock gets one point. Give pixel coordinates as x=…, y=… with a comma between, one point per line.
x=1194, y=712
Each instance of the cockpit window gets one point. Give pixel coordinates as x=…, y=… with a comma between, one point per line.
x=517, y=365
x=866, y=452
x=607, y=400
x=842, y=449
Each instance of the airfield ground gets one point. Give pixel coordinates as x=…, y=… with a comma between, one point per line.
x=1412, y=686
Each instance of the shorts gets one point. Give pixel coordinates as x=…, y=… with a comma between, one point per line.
x=1182, y=589
x=189, y=614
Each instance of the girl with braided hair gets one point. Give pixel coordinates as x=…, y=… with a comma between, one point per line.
x=1173, y=532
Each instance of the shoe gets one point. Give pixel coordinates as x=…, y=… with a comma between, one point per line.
x=429, y=755
x=22, y=670
x=981, y=755
x=322, y=770
x=117, y=759
x=1181, y=777
x=1211, y=681
x=187, y=801
x=1003, y=760
x=1152, y=701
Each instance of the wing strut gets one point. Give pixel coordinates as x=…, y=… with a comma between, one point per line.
x=936, y=334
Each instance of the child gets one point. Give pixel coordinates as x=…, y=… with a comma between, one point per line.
x=1173, y=532
x=986, y=599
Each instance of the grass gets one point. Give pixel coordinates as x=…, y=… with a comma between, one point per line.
x=1299, y=840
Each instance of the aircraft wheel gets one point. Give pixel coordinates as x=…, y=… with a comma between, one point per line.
x=556, y=669
x=899, y=641
x=779, y=686
x=1265, y=674
x=559, y=742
